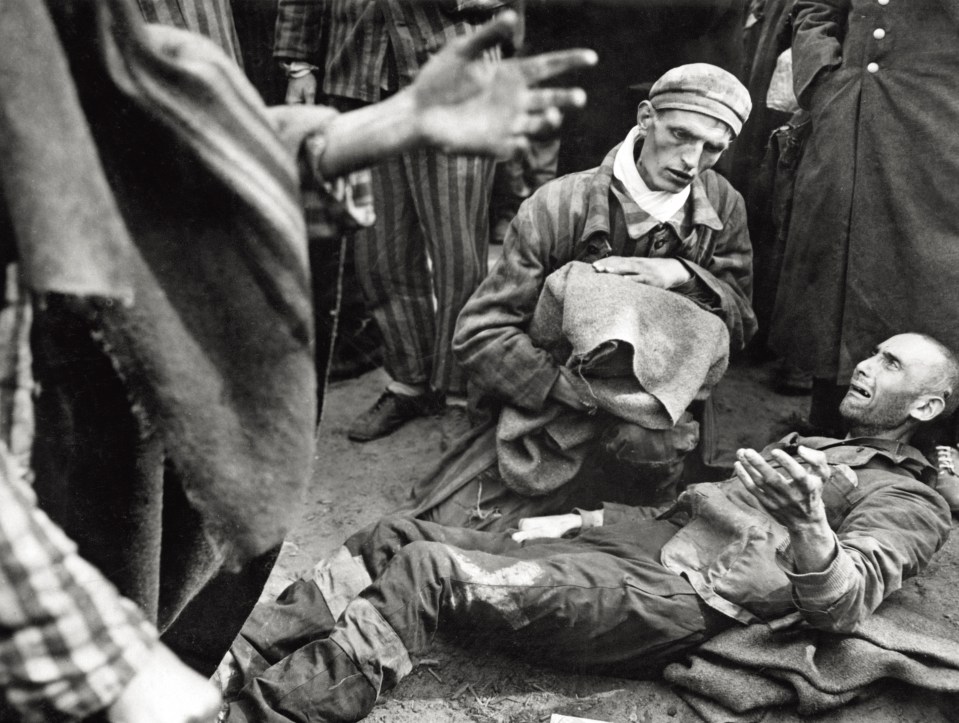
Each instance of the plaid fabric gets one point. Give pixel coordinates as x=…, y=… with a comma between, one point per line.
x=358, y=34
x=212, y=18
x=69, y=643
x=573, y=218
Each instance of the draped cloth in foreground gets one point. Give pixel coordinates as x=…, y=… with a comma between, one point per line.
x=154, y=204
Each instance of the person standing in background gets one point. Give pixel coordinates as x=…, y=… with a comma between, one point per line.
x=431, y=234
x=872, y=246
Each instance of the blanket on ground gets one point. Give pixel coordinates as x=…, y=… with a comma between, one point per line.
x=634, y=352
x=746, y=673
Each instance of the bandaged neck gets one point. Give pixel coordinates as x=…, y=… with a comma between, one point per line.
x=661, y=205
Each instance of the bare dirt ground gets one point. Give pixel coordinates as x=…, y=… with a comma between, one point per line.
x=355, y=484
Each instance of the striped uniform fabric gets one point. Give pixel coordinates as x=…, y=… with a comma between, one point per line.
x=576, y=217
x=368, y=47
x=426, y=203
x=212, y=18
x=69, y=643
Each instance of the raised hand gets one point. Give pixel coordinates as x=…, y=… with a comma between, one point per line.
x=466, y=103
x=793, y=498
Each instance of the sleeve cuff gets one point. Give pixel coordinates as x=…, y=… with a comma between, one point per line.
x=819, y=591
x=591, y=518
x=298, y=68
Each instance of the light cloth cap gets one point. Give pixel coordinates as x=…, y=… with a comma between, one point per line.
x=703, y=88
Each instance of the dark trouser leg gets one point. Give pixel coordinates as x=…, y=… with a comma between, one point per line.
x=824, y=414
x=597, y=603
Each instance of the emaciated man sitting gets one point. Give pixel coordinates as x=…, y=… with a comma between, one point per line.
x=818, y=530
x=654, y=212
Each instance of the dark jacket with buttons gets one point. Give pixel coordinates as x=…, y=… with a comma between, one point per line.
x=585, y=216
x=888, y=524
x=872, y=247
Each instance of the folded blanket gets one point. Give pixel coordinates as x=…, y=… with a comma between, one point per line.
x=739, y=675
x=638, y=353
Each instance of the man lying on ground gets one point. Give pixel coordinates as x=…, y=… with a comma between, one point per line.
x=655, y=212
x=70, y=645
x=813, y=529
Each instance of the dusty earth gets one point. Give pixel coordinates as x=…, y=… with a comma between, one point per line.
x=355, y=484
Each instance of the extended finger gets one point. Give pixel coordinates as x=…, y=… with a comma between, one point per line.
x=817, y=459
x=793, y=468
x=538, y=123
x=755, y=475
x=546, y=65
x=746, y=477
x=500, y=29
x=766, y=470
x=539, y=99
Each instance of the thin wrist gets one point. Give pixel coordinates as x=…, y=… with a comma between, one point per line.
x=406, y=108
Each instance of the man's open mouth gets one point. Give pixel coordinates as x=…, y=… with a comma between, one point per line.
x=860, y=390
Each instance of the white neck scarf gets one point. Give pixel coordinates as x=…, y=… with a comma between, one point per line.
x=661, y=205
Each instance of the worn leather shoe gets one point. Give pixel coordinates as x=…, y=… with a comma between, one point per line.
x=391, y=412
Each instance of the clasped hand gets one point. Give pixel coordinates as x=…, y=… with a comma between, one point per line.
x=792, y=496
x=659, y=272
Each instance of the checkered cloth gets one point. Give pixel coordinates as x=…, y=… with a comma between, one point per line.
x=69, y=643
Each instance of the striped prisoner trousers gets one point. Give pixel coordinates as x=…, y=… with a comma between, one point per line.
x=428, y=205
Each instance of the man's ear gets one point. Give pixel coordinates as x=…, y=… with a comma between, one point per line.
x=644, y=116
x=927, y=407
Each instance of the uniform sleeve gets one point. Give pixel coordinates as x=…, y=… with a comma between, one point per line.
x=889, y=536
x=298, y=28
x=615, y=512
x=491, y=342
x=817, y=42
x=69, y=644
x=729, y=274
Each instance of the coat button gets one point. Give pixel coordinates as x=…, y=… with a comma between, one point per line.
x=883, y=2
x=878, y=33
x=873, y=67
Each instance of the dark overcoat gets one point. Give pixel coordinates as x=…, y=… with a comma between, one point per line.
x=873, y=249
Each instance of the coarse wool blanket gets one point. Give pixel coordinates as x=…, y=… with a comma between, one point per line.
x=155, y=207
x=747, y=674
x=634, y=352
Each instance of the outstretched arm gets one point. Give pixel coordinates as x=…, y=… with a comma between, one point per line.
x=460, y=102
x=840, y=577
x=794, y=500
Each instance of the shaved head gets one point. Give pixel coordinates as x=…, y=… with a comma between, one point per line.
x=908, y=380
x=944, y=379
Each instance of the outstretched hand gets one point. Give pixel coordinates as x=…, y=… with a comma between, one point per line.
x=466, y=103
x=793, y=496
x=794, y=500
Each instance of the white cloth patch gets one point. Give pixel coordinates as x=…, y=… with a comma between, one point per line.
x=661, y=205
x=494, y=587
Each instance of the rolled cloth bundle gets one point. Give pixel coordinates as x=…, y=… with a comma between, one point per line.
x=635, y=353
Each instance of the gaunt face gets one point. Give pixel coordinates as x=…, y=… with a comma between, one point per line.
x=679, y=145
